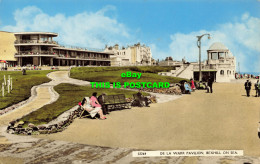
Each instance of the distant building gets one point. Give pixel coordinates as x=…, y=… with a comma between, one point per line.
x=39, y=48
x=220, y=65
x=170, y=62
x=132, y=55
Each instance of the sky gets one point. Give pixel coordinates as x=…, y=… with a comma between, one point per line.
x=168, y=27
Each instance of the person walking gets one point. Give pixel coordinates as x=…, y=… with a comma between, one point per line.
x=257, y=89
x=248, y=88
x=210, y=83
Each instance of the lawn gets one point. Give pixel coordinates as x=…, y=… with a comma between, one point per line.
x=22, y=85
x=113, y=74
x=70, y=95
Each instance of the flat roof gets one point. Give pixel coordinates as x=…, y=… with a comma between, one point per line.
x=31, y=33
x=82, y=50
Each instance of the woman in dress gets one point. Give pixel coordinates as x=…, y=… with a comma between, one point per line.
x=95, y=104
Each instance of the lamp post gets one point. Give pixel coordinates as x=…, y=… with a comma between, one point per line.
x=199, y=45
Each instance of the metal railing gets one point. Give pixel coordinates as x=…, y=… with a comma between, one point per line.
x=35, y=42
x=82, y=48
x=77, y=57
x=205, y=67
x=36, y=53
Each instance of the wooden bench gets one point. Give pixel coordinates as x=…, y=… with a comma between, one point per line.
x=113, y=102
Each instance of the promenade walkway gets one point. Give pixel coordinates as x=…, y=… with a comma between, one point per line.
x=226, y=119
x=26, y=149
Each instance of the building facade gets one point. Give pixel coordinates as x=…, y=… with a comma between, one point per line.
x=220, y=65
x=39, y=48
x=132, y=55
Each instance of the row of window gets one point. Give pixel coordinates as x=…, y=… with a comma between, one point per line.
x=120, y=53
x=222, y=72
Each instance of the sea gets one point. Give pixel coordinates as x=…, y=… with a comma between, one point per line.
x=251, y=73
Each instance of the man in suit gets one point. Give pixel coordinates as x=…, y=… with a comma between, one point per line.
x=256, y=89
x=248, y=88
x=210, y=83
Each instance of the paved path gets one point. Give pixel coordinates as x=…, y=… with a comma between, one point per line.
x=19, y=149
x=224, y=120
x=44, y=95
x=56, y=152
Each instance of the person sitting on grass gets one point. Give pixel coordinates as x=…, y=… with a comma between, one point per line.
x=95, y=104
x=142, y=98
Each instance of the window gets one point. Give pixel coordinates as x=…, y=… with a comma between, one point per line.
x=221, y=55
x=222, y=72
x=214, y=55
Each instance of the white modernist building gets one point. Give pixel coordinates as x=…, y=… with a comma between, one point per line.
x=132, y=55
x=220, y=65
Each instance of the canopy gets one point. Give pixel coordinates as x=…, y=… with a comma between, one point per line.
x=3, y=61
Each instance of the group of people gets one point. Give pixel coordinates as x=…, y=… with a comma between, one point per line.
x=141, y=99
x=193, y=87
x=248, y=85
x=95, y=105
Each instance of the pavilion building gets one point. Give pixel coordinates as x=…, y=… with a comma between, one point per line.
x=220, y=65
x=39, y=48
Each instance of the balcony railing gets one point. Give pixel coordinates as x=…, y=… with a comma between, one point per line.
x=36, y=53
x=35, y=42
x=82, y=48
x=205, y=67
x=80, y=57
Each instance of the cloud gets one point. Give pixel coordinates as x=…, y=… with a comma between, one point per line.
x=86, y=29
x=242, y=38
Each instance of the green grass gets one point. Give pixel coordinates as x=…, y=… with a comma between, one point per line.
x=70, y=95
x=113, y=74
x=144, y=69
x=22, y=85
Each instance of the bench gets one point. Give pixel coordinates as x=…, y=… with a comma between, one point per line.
x=113, y=102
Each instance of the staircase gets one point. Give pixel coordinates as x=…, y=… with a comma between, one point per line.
x=187, y=72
